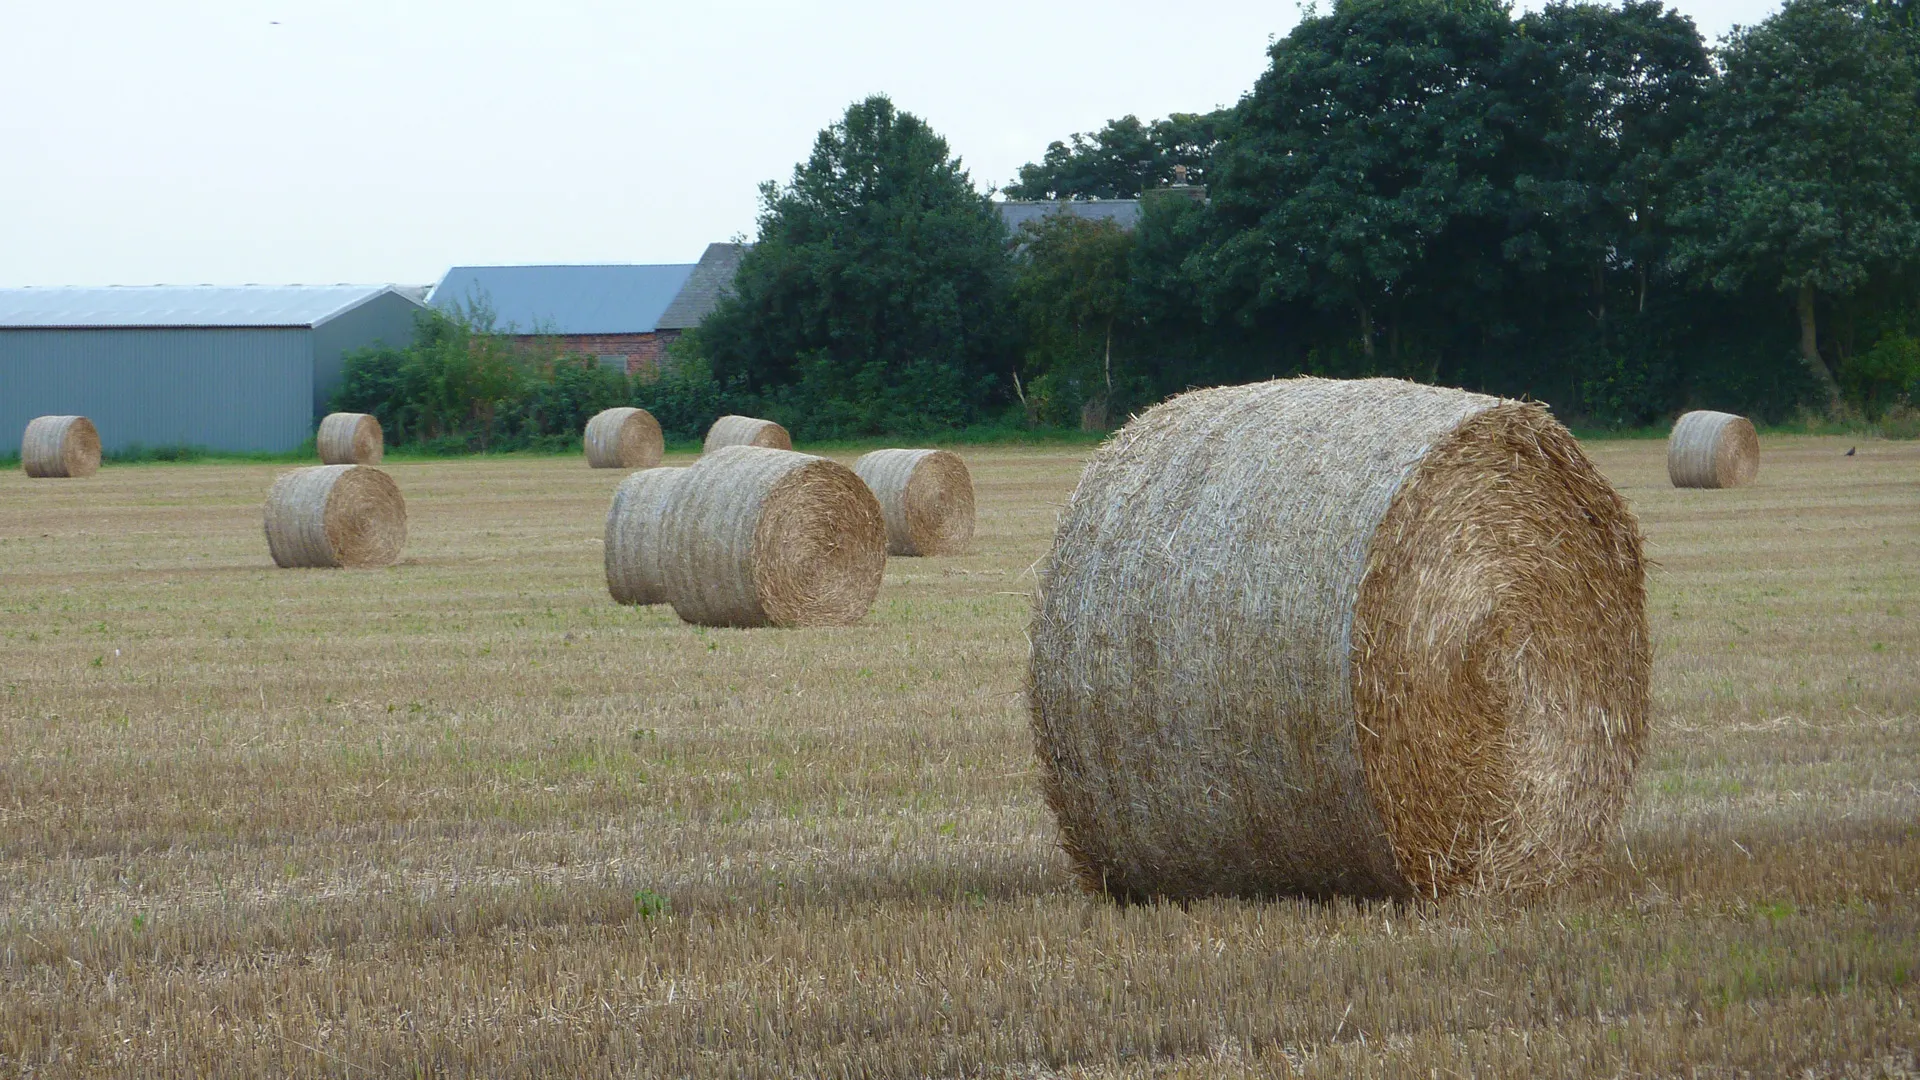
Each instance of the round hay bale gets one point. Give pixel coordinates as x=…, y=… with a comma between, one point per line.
x=1712, y=450
x=624, y=438
x=335, y=515
x=351, y=438
x=60, y=446
x=746, y=431
x=633, y=536
x=927, y=496
x=1313, y=637
x=760, y=537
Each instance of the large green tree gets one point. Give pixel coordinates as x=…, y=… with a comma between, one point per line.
x=876, y=299
x=1072, y=297
x=1621, y=87
x=1124, y=158
x=1804, y=175
x=1372, y=168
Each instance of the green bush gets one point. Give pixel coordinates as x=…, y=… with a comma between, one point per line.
x=686, y=398
x=457, y=384
x=1884, y=377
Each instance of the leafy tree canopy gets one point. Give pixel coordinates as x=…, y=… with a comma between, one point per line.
x=876, y=297
x=1803, y=175
x=1124, y=158
x=1374, y=164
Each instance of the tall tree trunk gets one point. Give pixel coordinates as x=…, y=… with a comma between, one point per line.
x=1810, y=352
x=1366, y=329
x=1108, y=363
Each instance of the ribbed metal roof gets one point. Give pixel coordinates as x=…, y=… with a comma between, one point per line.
x=1123, y=212
x=605, y=299
x=182, y=305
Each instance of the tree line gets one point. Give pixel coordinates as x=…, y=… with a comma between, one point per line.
x=1584, y=204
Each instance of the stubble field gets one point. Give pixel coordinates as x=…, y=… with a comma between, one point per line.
x=465, y=816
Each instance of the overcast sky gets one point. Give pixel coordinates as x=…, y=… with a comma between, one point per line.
x=384, y=140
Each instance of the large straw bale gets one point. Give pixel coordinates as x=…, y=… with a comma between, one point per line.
x=633, y=536
x=335, y=515
x=927, y=496
x=624, y=438
x=351, y=438
x=746, y=431
x=1316, y=637
x=1712, y=450
x=761, y=537
x=60, y=446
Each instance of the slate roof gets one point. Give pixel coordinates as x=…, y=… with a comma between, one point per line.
x=711, y=280
x=182, y=305
x=1124, y=212
x=589, y=299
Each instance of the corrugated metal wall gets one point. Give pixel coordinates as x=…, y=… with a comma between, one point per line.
x=384, y=320
x=221, y=389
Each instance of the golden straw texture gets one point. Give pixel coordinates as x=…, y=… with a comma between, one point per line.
x=760, y=537
x=60, y=446
x=746, y=431
x=1712, y=450
x=633, y=536
x=351, y=438
x=1327, y=638
x=624, y=438
x=335, y=515
x=927, y=496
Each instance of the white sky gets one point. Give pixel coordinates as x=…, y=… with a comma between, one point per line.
x=233, y=141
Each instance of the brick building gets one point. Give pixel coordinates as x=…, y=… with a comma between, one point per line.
x=623, y=314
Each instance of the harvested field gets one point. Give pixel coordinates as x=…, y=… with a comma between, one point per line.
x=465, y=815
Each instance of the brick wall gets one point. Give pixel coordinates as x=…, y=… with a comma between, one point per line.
x=643, y=351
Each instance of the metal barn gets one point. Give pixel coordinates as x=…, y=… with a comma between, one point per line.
x=234, y=368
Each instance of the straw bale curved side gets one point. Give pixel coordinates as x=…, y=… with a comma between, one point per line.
x=351, y=438
x=746, y=431
x=60, y=446
x=1321, y=638
x=624, y=438
x=633, y=536
x=335, y=515
x=927, y=496
x=1712, y=450
x=762, y=537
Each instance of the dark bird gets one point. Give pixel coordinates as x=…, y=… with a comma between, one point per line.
x=1849, y=451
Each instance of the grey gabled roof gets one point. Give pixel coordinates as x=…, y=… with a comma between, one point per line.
x=711, y=281
x=590, y=299
x=1123, y=212
x=182, y=305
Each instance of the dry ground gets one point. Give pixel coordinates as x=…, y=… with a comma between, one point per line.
x=464, y=816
